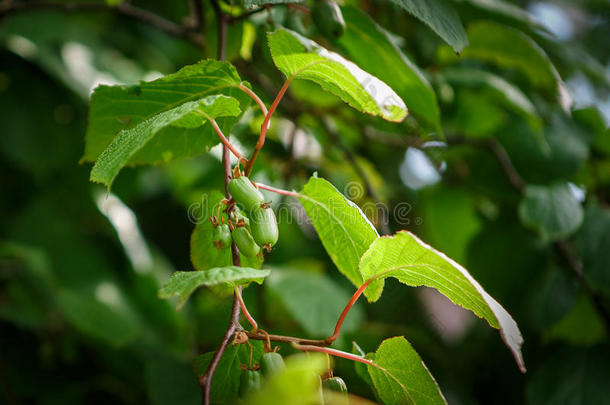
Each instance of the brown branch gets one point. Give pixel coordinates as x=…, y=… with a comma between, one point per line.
x=286, y=339
x=206, y=380
x=126, y=9
x=246, y=14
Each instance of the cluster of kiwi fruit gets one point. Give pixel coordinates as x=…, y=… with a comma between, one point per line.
x=254, y=227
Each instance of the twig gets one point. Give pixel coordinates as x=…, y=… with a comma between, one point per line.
x=206, y=380
x=346, y=310
x=265, y=125
x=244, y=309
x=370, y=190
x=334, y=352
x=224, y=139
x=277, y=190
x=126, y=9
x=286, y=339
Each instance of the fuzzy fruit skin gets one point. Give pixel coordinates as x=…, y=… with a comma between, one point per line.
x=272, y=363
x=222, y=236
x=245, y=193
x=328, y=18
x=245, y=242
x=335, y=384
x=264, y=226
x=250, y=381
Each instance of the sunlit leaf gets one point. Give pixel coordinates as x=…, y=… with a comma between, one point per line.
x=128, y=142
x=412, y=262
x=302, y=58
x=342, y=227
x=183, y=283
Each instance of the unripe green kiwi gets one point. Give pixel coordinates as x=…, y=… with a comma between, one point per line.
x=245, y=193
x=222, y=236
x=335, y=384
x=249, y=381
x=245, y=242
x=272, y=363
x=264, y=227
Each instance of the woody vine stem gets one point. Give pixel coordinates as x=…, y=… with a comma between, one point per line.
x=239, y=306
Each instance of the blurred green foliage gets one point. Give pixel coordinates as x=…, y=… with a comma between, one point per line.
x=80, y=320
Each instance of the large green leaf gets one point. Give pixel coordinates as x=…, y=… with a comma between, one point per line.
x=128, y=142
x=403, y=379
x=501, y=11
x=511, y=48
x=316, y=313
x=594, y=247
x=412, y=262
x=439, y=16
x=299, y=57
x=183, y=283
x=510, y=95
x=369, y=46
x=115, y=108
x=342, y=227
x=551, y=210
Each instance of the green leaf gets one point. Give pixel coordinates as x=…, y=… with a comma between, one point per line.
x=594, y=247
x=439, y=16
x=183, y=283
x=316, y=313
x=510, y=95
x=128, y=142
x=298, y=384
x=403, y=377
x=115, y=108
x=572, y=376
x=302, y=58
x=96, y=318
x=412, y=262
x=370, y=47
x=510, y=48
x=552, y=210
x=342, y=227
x=225, y=384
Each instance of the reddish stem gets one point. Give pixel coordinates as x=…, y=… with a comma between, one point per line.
x=333, y=352
x=254, y=97
x=265, y=126
x=244, y=309
x=224, y=139
x=277, y=190
x=346, y=310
